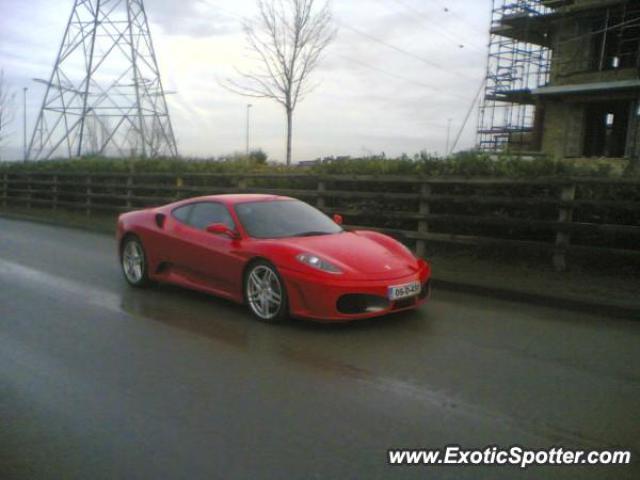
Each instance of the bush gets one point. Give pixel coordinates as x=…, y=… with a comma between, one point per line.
x=236, y=163
x=468, y=163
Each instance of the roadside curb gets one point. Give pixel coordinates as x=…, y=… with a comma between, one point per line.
x=563, y=303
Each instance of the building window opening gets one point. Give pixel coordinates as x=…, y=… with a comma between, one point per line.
x=607, y=126
x=611, y=117
x=616, y=39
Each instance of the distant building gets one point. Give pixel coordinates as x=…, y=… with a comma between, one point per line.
x=563, y=78
x=308, y=163
x=321, y=161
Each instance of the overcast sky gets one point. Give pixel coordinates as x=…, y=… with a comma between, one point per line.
x=372, y=98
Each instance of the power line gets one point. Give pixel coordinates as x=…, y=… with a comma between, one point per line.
x=402, y=51
x=447, y=10
x=396, y=76
x=443, y=31
x=469, y=112
x=365, y=35
x=399, y=77
x=376, y=68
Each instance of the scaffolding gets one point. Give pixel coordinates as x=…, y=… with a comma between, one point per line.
x=519, y=61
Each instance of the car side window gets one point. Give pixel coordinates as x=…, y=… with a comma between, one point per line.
x=182, y=213
x=207, y=213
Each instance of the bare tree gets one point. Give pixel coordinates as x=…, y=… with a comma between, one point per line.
x=288, y=37
x=7, y=107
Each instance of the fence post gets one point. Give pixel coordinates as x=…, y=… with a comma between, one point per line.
x=322, y=187
x=5, y=188
x=55, y=192
x=28, y=191
x=88, y=197
x=423, y=226
x=242, y=183
x=129, y=190
x=563, y=239
x=179, y=185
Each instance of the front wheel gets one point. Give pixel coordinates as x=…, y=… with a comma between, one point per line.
x=265, y=293
x=134, y=262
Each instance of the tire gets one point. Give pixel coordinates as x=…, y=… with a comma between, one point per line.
x=133, y=261
x=265, y=293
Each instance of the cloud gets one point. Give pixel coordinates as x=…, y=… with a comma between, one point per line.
x=195, y=18
x=370, y=97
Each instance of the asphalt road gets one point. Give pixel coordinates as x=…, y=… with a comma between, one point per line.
x=98, y=380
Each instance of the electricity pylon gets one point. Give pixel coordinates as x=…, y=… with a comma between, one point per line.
x=104, y=95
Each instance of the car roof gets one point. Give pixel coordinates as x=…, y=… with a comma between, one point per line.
x=234, y=199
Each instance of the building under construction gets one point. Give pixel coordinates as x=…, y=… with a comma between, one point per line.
x=563, y=78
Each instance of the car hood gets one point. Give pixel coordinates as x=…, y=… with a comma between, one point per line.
x=357, y=254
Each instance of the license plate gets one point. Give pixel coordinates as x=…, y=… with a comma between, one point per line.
x=404, y=291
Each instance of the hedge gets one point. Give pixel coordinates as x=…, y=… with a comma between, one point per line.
x=462, y=164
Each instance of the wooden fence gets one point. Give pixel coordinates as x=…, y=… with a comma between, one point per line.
x=555, y=215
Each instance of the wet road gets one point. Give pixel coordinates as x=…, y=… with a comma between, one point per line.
x=101, y=381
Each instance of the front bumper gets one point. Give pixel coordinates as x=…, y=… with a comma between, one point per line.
x=324, y=299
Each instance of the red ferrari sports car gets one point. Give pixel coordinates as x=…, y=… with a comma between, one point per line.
x=278, y=255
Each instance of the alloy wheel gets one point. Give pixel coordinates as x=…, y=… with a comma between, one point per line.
x=264, y=292
x=133, y=262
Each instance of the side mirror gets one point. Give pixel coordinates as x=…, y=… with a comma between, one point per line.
x=338, y=219
x=221, y=229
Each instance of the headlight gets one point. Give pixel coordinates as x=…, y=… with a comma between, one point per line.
x=318, y=263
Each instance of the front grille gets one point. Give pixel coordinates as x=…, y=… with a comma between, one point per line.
x=356, y=303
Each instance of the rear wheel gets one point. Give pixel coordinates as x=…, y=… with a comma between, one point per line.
x=134, y=262
x=265, y=293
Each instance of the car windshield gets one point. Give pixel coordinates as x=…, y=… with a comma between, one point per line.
x=284, y=218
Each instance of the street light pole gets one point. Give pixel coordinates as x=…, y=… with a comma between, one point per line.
x=446, y=153
x=24, y=129
x=248, y=125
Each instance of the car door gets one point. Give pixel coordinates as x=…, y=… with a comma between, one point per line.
x=209, y=259
x=176, y=229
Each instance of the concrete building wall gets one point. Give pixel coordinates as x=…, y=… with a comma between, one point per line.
x=570, y=55
x=563, y=131
x=572, y=120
